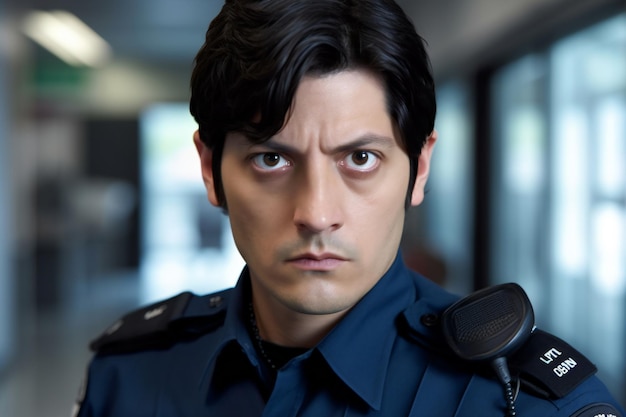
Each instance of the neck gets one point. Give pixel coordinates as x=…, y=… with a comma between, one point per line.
x=279, y=325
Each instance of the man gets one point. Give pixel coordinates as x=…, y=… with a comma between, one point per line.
x=315, y=135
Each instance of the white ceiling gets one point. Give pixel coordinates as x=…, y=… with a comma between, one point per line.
x=145, y=30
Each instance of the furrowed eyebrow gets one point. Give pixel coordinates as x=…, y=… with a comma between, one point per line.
x=363, y=141
x=271, y=146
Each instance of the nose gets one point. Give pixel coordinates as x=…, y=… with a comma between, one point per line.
x=318, y=200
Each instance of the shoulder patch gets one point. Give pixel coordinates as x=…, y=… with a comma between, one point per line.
x=549, y=367
x=598, y=410
x=163, y=323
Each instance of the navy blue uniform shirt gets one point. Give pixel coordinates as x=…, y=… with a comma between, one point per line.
x=382, y=359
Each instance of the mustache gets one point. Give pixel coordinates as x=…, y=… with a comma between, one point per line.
x=316, y=244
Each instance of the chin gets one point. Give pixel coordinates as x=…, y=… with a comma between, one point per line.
x=326, y=302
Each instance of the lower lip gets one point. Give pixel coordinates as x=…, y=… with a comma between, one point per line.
x=309, y=264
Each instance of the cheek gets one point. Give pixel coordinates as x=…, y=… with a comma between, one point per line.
x=256, y=218
x=387, y=207
x=388, y=195
x=379, y=216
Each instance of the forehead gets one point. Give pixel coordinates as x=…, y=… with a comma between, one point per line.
x=350, y=85
x=341, y=103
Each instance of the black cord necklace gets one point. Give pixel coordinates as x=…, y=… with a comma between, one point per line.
x=257, y=337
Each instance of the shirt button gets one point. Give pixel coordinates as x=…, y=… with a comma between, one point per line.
x=215, y=301
x=429, y=320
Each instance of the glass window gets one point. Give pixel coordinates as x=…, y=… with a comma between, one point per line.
x=519, y=183
x=588, y=108
x=560, y=189
x=186, y=242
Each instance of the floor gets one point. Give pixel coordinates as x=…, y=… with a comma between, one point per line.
x=52, y=353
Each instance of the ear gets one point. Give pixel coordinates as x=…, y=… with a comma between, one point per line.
x=206, y=165
x=423, y=169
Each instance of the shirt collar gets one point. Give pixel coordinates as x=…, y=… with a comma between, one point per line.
x=234, y=339
x=359, y=347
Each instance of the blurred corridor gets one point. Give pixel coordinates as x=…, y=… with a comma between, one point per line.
x=102, y=207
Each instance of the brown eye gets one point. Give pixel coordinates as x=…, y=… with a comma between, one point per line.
x=361, y=161
x=271, y=159
x=360, y=157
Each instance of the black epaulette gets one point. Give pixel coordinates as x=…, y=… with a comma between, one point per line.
x=549, y=367
x=159, y=325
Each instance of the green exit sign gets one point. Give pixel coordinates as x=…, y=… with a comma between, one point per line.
x=59, y=77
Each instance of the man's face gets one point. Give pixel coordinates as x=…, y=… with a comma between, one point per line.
x=317, y=211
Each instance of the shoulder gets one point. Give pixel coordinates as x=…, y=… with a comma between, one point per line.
x=161, y=324
x=429, y=292
x=146, y=349
x=550, y=369
x=554, y=377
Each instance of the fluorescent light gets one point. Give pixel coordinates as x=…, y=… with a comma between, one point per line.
x=66, y=36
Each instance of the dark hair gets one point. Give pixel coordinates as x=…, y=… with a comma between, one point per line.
x=257, y=51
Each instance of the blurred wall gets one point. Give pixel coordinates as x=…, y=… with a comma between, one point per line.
x=6, y=250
